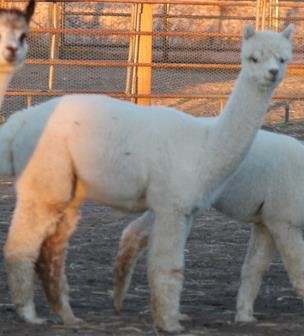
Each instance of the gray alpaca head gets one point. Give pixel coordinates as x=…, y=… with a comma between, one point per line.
x=13, y=34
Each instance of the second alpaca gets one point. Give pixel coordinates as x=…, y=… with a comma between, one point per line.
x=267, y=191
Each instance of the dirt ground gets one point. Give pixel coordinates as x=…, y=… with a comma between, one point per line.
x=214, y=254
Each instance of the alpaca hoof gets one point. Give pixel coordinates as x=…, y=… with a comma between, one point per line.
x=244, y=318
x=117, y=304
x=184, y=317
x=35, y=320
x=170, y=326
x=28, y=314
x=74, y=322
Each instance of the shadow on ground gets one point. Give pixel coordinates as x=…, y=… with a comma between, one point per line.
x=214, y=254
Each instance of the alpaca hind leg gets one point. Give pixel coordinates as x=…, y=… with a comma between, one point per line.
x=50, y=266
x=289, y=242
x=257, y=260
x=134, y=240
x=28, y=230
x=165, y=268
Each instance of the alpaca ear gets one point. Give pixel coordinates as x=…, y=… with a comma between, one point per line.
x=249, y=31
x=288, y=31
x=29, y=10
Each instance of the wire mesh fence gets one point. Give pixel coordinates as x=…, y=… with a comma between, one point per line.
x=99, y=47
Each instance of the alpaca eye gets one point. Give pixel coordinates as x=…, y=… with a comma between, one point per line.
x=22, y=37
x=282, y=60
x=253, y=59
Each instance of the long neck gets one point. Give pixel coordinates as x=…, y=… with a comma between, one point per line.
x=233, y=133
x=6, y=167
x=5, y=77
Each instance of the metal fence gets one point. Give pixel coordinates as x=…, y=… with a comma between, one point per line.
x=181, y=53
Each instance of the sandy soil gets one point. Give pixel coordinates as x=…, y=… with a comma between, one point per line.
x=214, y=254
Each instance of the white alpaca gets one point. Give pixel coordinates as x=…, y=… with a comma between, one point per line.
x=268, y=191
x=13, y=45
x=19, y=136
x=134, y=158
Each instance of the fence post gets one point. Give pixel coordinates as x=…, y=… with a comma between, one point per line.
x=131, y=82
x=274, y=16
x=144, y=74
x=53, y=23
x=260, y=14
x=267, y=14
x=286, y=117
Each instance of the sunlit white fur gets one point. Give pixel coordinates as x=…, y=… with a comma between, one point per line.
x=266, y=191
x=136, y=158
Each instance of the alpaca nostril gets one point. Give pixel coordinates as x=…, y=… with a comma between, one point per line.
x=274, y=72
x=11, y=54
x=11, y=49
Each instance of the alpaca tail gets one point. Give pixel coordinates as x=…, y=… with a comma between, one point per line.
x=133, y=243
x=50, y=173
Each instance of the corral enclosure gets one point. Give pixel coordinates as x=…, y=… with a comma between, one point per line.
x=94, y=47
x=104, y=47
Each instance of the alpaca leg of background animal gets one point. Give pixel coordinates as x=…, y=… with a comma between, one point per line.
x=166, y=266
x=50, y=266
x=289, y=242
x=132, y=244
x=257, y=260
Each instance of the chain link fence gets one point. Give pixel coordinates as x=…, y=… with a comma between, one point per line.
x=187, y=58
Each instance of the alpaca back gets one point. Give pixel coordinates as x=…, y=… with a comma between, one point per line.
x=131, y=145
x=8, y=132
x=34, y=121
x=19, y=136
x=266, y=180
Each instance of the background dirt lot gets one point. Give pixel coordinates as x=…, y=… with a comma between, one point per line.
x=214, y=255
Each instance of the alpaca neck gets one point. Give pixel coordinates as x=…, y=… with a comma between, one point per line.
x=6, y=167
x=6, y=73
x=235, y=129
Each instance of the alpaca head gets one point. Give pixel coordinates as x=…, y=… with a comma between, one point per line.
x=13, y=32
x=265, y=55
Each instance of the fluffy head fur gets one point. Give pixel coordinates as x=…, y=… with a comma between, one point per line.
x=13, y=33
x=265, y=54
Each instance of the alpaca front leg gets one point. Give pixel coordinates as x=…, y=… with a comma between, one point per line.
x=50, y=268
x=165, y=269
x=289, y=242
x=257, y=260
